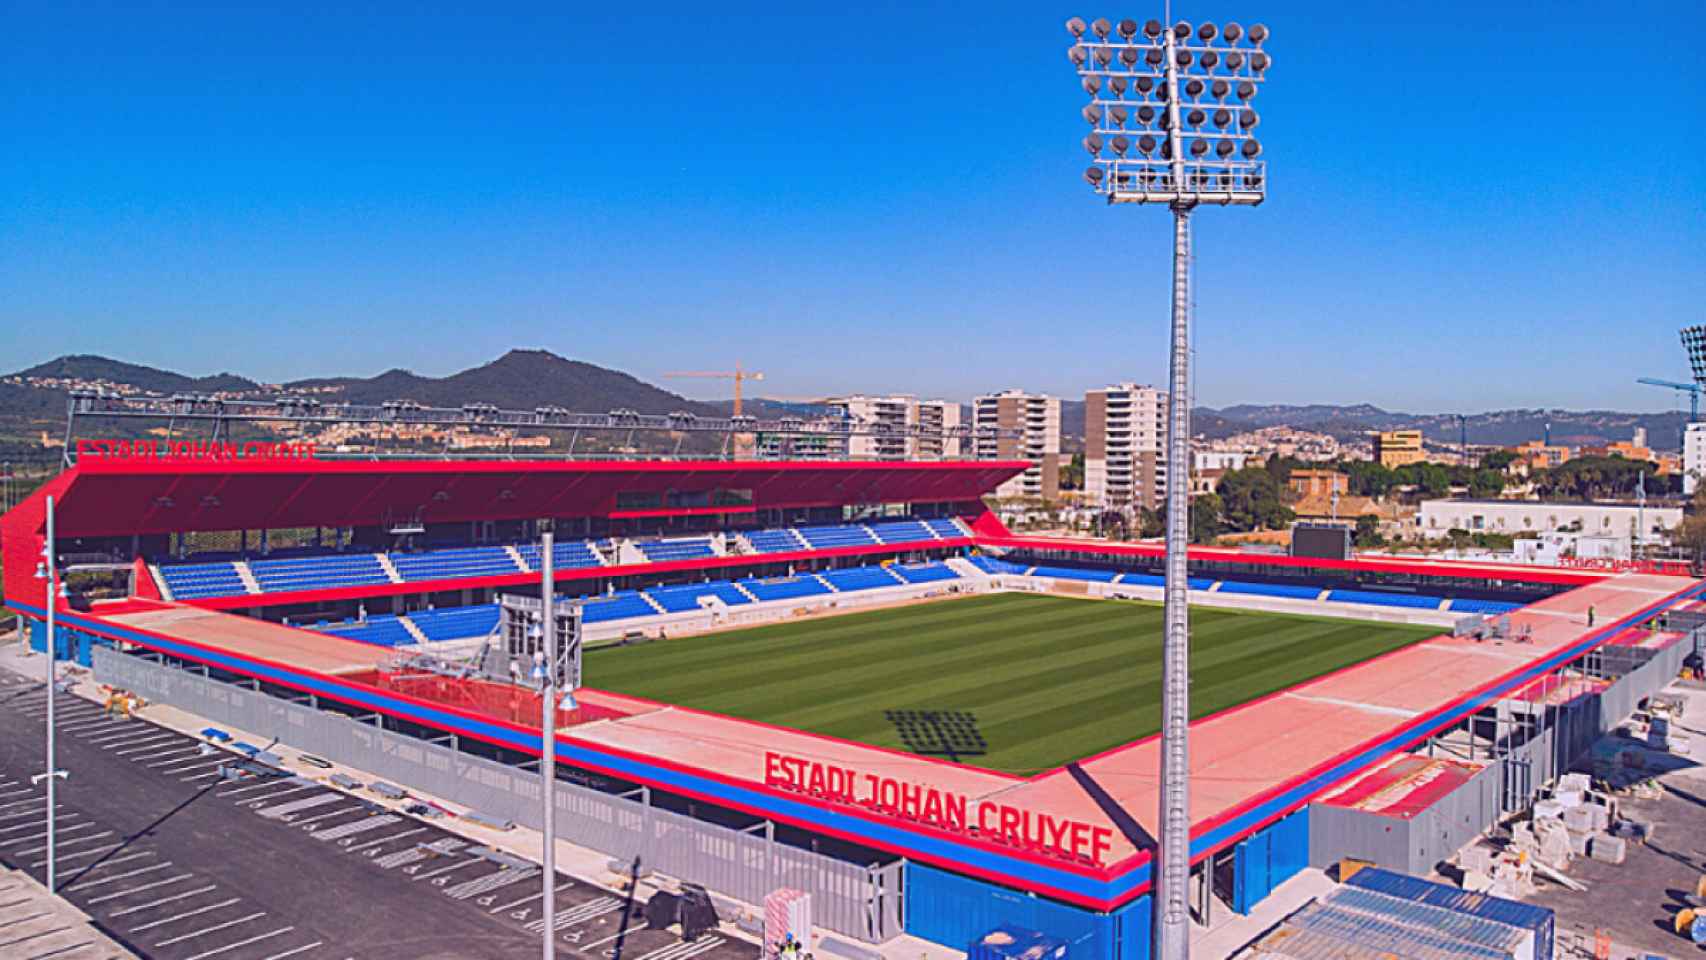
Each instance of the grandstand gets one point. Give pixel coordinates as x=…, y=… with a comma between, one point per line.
x=636, y=541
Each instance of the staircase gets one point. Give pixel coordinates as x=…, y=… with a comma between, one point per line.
x=414, y=631
x=390, y=569
x=832, y=587
x=652, y=603
x=250, y=584
x=743, y=591
x=160, y=582
x=515, y=558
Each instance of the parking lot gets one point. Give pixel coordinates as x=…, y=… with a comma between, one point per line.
x=174, y=860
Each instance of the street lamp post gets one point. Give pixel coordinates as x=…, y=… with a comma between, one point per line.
x=48, y=572
x=548, y=735
x=1184, y=95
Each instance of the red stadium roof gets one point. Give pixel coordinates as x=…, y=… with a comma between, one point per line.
x=139, y=496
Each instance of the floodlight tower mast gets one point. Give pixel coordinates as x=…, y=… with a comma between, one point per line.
x=1173, y=81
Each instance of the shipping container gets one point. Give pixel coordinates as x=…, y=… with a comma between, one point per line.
x=1008, y=942
x=1394, y=938
x=1538, y=919
x=1516, y=941
x=1294, y=943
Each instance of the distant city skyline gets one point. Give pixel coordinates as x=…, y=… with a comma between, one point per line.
x=869, y=201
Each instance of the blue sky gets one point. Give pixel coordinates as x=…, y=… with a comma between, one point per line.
x=1473, y=205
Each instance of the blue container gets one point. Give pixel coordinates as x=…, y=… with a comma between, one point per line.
x=1538, y=919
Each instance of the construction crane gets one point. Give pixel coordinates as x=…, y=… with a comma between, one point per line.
x=1692, y=389
x=738, y=375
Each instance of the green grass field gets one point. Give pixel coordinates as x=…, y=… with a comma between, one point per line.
x=1049, y=679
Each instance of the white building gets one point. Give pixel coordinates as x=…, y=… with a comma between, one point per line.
x=1218, y=460
x=935, y=417
x=1618, y=521
x=915, y=428
x=1693, y=457
x=1125, y=440
x=1035, y=418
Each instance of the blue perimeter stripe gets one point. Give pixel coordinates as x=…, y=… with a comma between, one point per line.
x=1042, y=877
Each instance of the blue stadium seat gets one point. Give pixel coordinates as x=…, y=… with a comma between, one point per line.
x=684, y=598
x=565, y=554
x=662, y=550
x=995, y=565
x=313, y=573
x=385, y=630
x=1143, y=579
x=1074, y=573
x=1410, y=600
x=946, y=527
x=622, y=605
x=453, y=563
x=924, y=572
x=784, y=588
x=859, y=578
x=900, y=531
x=196, y=581
x=1289, y=590
x=840, y=535
x=775, y=541
x=456, y=623
x=1470, y=605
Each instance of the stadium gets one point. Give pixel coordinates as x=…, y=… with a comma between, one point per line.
x=846, y=677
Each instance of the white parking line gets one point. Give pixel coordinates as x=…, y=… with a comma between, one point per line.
x=174, y=752
x=105, y=880
x=97, y=851
x=394, y=836
x=274, y=785
x=90, y=724
x=334, y=813
x=196, y=764
x=623, y=932
x=146, y=886
x=199, y=776
x=106, y=864
x=168, y=763
x=155, y=739
x=67, y=843
x=39, y=823
x=131, y=733
x=241, y=943
x=295, y=950
x=181, y=916
x=38, y=798
x=9, y=794
x=171, y=899
x=229, y=923
x=62, y=831
x=127, y=751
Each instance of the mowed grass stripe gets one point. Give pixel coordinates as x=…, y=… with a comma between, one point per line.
x=1050, y=679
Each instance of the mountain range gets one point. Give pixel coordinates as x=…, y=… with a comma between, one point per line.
x=34, y=399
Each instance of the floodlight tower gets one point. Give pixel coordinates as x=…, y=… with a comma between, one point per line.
x=1185, y=95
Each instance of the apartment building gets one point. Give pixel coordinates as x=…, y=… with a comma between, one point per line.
x=935, y=418
x=1125, y=442
x=1035, y=418
x=1397, y=448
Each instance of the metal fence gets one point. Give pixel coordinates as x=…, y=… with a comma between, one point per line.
x=858, y=900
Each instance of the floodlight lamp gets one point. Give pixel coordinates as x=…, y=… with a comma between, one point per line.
x=1193, y=87
x=1092, y=114
x=1246, y=90
x=1206, y=32
x=1182, y=57
x=1092, y=85
x=1195, y=118
x=1146, y=144
x=1128, y=56
x=1077, y=55
x=1104, y=56
x=1199, y=147
x=1075, y=26
x=1234, y=60
x=1222, y=117
x=1093, y=144
x=1145, y=84
x=1146, y=115
x=1251, y=149
x=1152, y=29
x=1182, y=30
x=1119, y=114
x=1128, y=28
x=1093, y=176
x=1258, y=34
x=1167, y=149
x=1101, y=27
x=1120, y=145
x=1118, y=84
x=1248, y=119
x=1223, y=149
x=1219, y=89
x=1259, y=62
x=1165, y=121
x=1232, y=32
x=1152, y=56
x=1209, y=59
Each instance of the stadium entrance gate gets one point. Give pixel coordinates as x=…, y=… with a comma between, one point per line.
x=858, y=900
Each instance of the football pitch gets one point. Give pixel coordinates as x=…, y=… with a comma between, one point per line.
x=1041, y=681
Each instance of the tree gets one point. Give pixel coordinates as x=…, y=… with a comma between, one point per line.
x=1253, y=499
x=1368, y=531
x=1485, y=484
x=1072, y=475
x=1205, y=518
x=1499, y=460
x=1150, y=523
